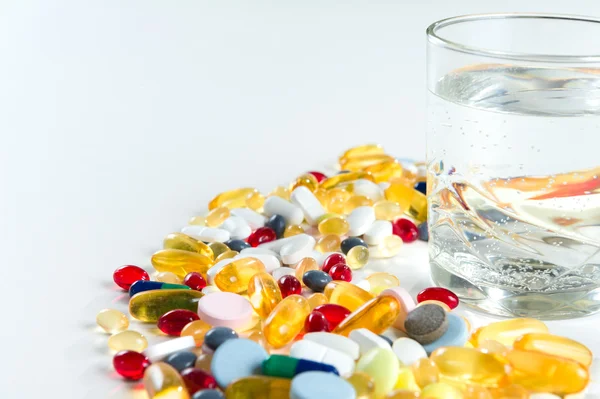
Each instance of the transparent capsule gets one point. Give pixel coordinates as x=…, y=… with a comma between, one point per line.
x=292, y=230
x=413, y=202
x=360, y=151
x=441, y=390
x=281, y=192
x=403, y=394
x=286, y=321
x=336, y=199
x=555, y=345
x=180, y=262
x=231, y=199
x=307, y=180
x=112, y=321
x=357, y=257
x=259, y=387
x=264, y=294
x=168, y=277
x=359, y=163
x=381, y=281
x=334, y=225
x=303, y=266
x=387, y=210
x=203, y=361
x=317, y=299
x=509, y=392
x=163, y=381
x=385, y=171
x=197, y=221
x=507, y=331
x=354, y=202
x=217, y=216
x=148, y=306
x=226, y=255
x=469, y=366
x=329, y=243
x=196, y=329
x=344, y=178
x=375, y=315
x=347, y=295
x=127, y=340
x=236, y=276
x=321, y=195
x=406, y=380
x=363, y=384
x=476, y=392
x=255, y=201
x=186, y=243
x=389, y=247
x=425, y=371
x=217, y=248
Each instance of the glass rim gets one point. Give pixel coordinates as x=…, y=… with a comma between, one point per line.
x=434, y=38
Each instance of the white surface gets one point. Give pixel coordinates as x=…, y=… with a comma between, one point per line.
x=120, y=119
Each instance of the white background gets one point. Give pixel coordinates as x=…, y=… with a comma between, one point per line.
x=120, y=119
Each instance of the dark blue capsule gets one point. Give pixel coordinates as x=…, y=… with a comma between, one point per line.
x=277, y=223
x=316, y=280
x=422, y=187
x=341, y=172
x=143, y=285
x=309, y=365
x=181, y=360
x=237, y=245
x=389, y=341
x=208, y=394
x=217, y=335
x=350, y=243
x=423, y=232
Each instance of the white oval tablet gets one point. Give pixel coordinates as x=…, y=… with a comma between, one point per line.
x=310, y=205
x=316, y=352
x=297, y=249
x=408, y=350
x=360, y=219
x=335, y=341
x=253, y=218
x=378, y=230
x=159, y=351
x=278, y=244
x=278, y=206
x=368, y=189
x=207, y=234
x=237, y=227
x=367, y=340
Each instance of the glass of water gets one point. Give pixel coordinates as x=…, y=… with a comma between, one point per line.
x=513, y=152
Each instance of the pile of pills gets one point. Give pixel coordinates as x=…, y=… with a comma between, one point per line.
x=264, y=298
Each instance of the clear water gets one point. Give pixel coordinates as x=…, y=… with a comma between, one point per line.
x=514, y=189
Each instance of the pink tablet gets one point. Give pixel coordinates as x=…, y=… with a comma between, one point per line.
x=225, y=309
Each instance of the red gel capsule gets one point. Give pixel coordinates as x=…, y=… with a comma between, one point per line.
x=289, y=285
x=130, y=364
x=261, y=235
x=171, y=323
x=316, y=322
x=126, y=275
x=333, y=260
x=438, y=294
x=196, y=380
x=406, y=230
x=318, y=175
x=195, y=281
x=341, y=272
x=334, y=314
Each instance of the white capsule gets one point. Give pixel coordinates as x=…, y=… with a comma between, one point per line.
x=159, y=351
x=278, y=206
x=368, y=189
x=278, y=244
x=367, y=340
x=259, y=250
x=360, y=219
x=297, y=249
x=335, y=341
x=316, y=352
x=207, y=234
x=377, y=232
x=408, y=351
x=237, y=227
x=271, y=262
x=253, y=218
x=216, y=268
x=283, y=271
x=310, y=205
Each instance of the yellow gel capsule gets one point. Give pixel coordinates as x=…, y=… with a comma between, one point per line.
x=218, y=248
x=360, y=151
x=355, y=164
x=385, y=171
x=162, y=381
x=356, y=201
x=425, y=371
x=257, y=336
x=280, y=191
x=198, y=221
x=381, y=281
x=203, y=361
x=127, y=340
x=264, y=294
x=346, y=294
x=148, y=306
x=217, y=216
x=226, y=255
x=112, y=321
x=259, y=387
x=321, y=195
x=168, y=277
x=375, y=315
x=303, y=266
x=292, y=230
x=387, y=210
x=509, y=392
x=403, y=394
x=507, y=331
x=389, y=247
x=493, y=347
x=255, y=201
x=343, y=178
x=317, y=299
x=286, y=321
x=236, y=276
x=334, y=225
x=186, y=243
x=329, y=243
x=555, y=345
x=539, y=372
x=382, y=365
x=413, y=202
x=180, y=262
x=406, y=380
x=307, y=180
x=470, y=366
x=357, y=257
x=476, y=392
x=196, y=329
x=336, y=199
x=232, y=198
x=363, y=384
x=441, y=390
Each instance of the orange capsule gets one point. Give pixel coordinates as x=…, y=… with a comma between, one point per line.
x=236, y=276
x=232, y=199
x=469, y=366
x=286, y=321
x=342, y=178
x=346, y=294
x=425, y=372
x=385, y=171
x=264, y=294
x=217, y=216
x=361, y=151
x=376, y=315
x=555, y=345
x=361, y=162
x=507, y=331
x=307, y=180
x=413, y=202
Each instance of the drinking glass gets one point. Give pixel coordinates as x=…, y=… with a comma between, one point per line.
x=513, y=142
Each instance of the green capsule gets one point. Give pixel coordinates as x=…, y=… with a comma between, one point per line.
x=280, y=366
x=148, y=306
